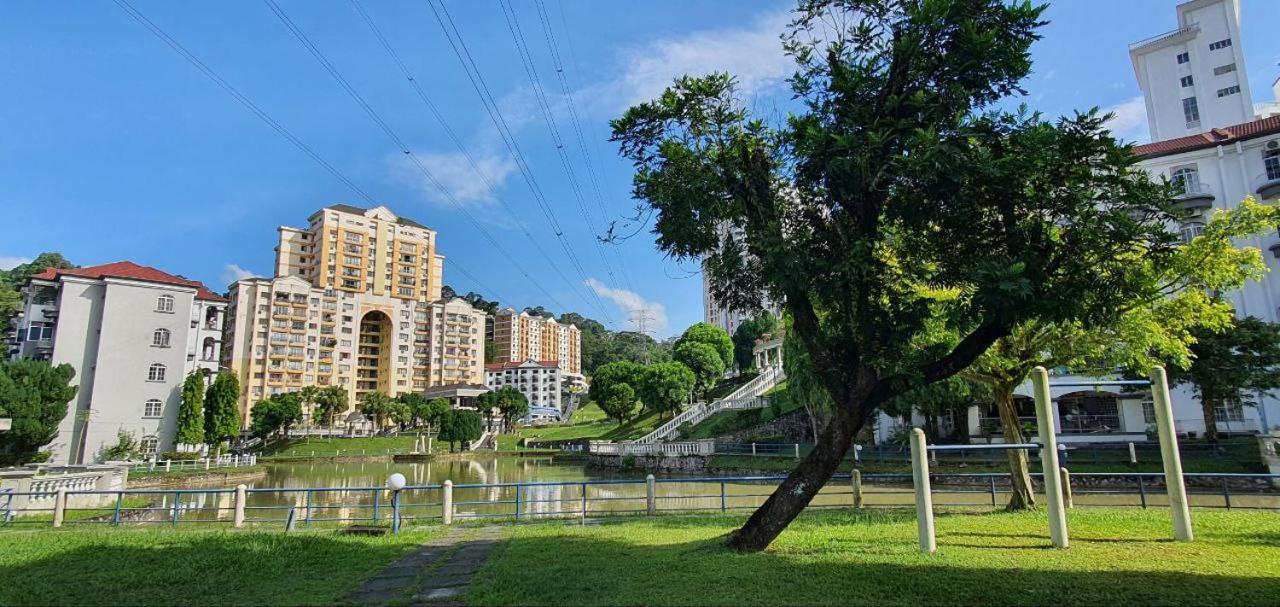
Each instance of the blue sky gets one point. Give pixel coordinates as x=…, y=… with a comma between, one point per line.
x=114, y=147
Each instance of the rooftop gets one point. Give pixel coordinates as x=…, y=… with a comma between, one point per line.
x=1215, y=137
x=131, y=271
x=524, y=364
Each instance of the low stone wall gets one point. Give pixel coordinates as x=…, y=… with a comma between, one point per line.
x=649, y=463
x=204, y=479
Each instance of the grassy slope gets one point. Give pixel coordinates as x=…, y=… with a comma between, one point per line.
x=843, y=557
x=124, y=566
x=328, y=447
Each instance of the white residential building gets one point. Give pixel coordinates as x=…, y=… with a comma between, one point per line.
x=538, y=381
x=521, y=336
x=717, y=313
x=132, y=333
x=1193, y=77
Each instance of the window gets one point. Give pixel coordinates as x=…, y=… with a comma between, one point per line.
x=1186, y=178
x=1231, y=90
x=1191, y=111
x=164, y=303
x=1271, y=161
x=1229, y=412
x=1224, y=69
x=1187, y=81
x=149, y=445
x=40, y=331
x=1184, y=58
x=1221, y=44
x=1190, y=230
x=160, y=338
x=152, y=408
x=155, y=372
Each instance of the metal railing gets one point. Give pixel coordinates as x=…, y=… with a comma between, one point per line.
x=1190, y=28
x=191, y=465
x=425, y=504
x=745, y=396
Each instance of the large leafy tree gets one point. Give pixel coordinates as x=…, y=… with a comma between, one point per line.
x=745, y=336
x=896, y=199
x=307, y=399
x=331, y=401
x=415, y=406
x=1150, y=330
x=34, y=394
x=191, y=411
x=435, y=410
x=715, y=337
x=704, y=360
x=221, y=416
x=1232, y=366
x=666, y=387
x=460, y=426
x=512, y=404
x=275, y=414
x=618, y=402
x=377, y=406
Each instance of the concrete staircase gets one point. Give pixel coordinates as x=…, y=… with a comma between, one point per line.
x=747, y=396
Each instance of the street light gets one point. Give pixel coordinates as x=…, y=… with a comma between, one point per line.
x=395, y=483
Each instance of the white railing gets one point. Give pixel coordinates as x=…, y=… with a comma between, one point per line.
x=480, y=442
x=745, y=397
x=188, y=465
x=700, y=447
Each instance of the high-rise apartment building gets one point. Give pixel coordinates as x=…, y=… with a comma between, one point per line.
x=714, y=311
x=132, y=333
x=520, y=337
x=355, y=303
x=1193, y=77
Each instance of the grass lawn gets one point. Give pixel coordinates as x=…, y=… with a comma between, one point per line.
x=846, y=557
x=130, y=566
x=332, y=447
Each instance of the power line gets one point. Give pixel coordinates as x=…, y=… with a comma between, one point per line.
x=457, y=141
x=258, y=112
x=395, y=138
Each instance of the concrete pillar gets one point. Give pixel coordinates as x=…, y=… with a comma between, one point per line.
x=167, y=464
x=1133, y=454
x=1173, y=480
x=59, y=507
x=447, y=504
x=206, y=463
x=924, y=495
x=1045, y=415
x=855, y=479
x=650, y=494
x=1066, y=488
x=238, y=519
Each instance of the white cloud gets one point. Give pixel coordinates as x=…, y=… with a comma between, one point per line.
x=232, y=272
x=456, y=176
x=8, y=263
x=1130, y=119
x=634, y=306
x=753, y=54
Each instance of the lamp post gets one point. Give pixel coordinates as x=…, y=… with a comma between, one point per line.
x=395, y=483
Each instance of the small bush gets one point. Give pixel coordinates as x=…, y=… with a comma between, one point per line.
x=628, y=461
x=180, y=456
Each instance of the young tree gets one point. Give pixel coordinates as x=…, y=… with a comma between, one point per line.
x=895, y=200
x=667, y=386
x=606, y=380
x=125, y=449
x=1148, y=331
x=377, y=406
x=512, y=404
x=415, y=407
x=745, y=336
x=618, y=402
x=715, y=337
x=705, y=362
x=34, y=394
x=307, y=399
x=191, y=413
x=221, y=416
x=435, y=410
x=1232, y=366
x=460, y=426
x=331, y=401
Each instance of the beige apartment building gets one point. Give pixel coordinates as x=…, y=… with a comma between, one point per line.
x=520, y=337
x=355, y=302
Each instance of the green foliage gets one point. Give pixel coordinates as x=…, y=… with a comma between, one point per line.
x=221, y=416
x=191, y=412
x=275, y=414
x=125, y=449
x=180, y=456
x=618, y=401
x=460, y=426
x=11, y=282
x=704, y=360
x=511, y=403
x=667, y=386
x=600, y=346
x=618, y=372
x=414, y=408
x=331, y=401
x=34, y=394
x=378, y=407
x=711, y=335
x=745, y=336
x=1232, y=366
x=435, y=409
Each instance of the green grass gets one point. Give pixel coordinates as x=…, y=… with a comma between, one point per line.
x=79, y=513
x=334, y=447
x=846, y=557
x=131, y=566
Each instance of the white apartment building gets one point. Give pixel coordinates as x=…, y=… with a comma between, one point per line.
x=539, y=381
x=520, y=336
x=716, y=313
x=1193, y=77
x=355, y=303
x=133, y=333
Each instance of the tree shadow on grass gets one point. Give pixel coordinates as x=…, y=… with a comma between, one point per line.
x=589, y=570
x=187, y=568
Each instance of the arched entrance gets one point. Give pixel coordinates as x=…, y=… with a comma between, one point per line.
x=373, y=359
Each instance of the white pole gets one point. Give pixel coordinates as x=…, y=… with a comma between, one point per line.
x=855, y=479
x=1173, y=480
x=448, y=502
x=167, y=464
x=59, y=506
x=651, y=497
x=924, y=496
x=239, y=511
x=1133, y=454
x=1049, y=457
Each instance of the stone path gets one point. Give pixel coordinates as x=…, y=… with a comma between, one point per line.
x=438, y=573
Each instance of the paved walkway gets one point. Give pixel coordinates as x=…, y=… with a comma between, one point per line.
x=438, y=573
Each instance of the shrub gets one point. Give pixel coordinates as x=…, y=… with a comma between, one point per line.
x=180, y=456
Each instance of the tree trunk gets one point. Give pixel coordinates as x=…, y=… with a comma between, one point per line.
x=804, y=482
x=1021, y=496
x=1209, y=406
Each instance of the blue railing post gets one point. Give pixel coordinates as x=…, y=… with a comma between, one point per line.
x=177, y=501
x=307, y=519
x=517, y=502
x=377, y=500
x=395, y=512
x=1142, y=491
x=115, y=519
x=584, y=501
x=994, y=502
x=1226, y=493
x=723, y=504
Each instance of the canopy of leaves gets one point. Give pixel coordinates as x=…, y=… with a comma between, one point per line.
x=1232, y=365
x=331, y=401
x=378, y=406
x=35, y=395
x=274, y=414
x=618, y=401
x=667, y=386
x=191, y=411
x=711, y=335
x=704, y=360
x=221, y=415
x=745, y=336
x=460, y=426
x=11, y=282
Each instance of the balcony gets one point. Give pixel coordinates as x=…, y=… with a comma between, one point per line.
x=1190, y=29
x=1195, y=197
x=1268, y=184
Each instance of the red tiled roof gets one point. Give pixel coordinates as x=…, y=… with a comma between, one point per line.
x=513, y=365
x=1215, y=137
x=132, y=271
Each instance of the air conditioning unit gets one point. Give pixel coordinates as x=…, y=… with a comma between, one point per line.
x=1274, y=144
